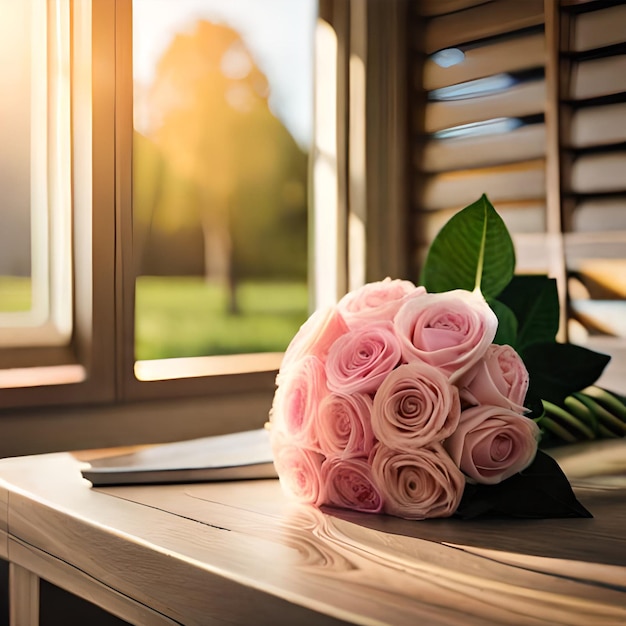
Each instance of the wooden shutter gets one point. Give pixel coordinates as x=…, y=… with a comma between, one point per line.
x=533, y=114
x=593, y=142
x=479, y=123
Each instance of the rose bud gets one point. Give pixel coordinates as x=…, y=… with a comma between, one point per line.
x=299, y=471
x=297, y=399
x=450, y=330
x=414, y=406
x=492, y=443
x=376, y=301
x=344, y=425
x=500, y=378
x=359, y=360
x=314, y=338
x=417, y=485
x=349, y=485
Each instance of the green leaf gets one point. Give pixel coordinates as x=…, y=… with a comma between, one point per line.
x=558, y=369
x=535, y=302
x=540, y=491
x=473, y=250
x=507, y=324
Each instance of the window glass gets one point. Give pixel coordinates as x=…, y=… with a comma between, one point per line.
x=222, y=127
x=15, y=156
x=35, y=205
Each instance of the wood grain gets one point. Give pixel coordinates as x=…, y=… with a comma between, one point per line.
x=23, y=596
x=243, y=553
x=4, y=512
x=64, y=575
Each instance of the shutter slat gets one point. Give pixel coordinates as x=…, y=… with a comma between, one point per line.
x=432, y=8
x=590, y=213
x=602, y=244
x=573, y=3
x=597, y=29
x=522, y=144
x=597, y=126
x=607, y=275
x=596, y=249
x=517, y=53
x=519, y=181
x=599, y=173
x=535, y=252
x=524, y=99
x=607, y=317
x=598, y=77
x=441, y=7
x=486, y=20
x=599, y=245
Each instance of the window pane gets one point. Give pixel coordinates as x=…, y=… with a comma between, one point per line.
x=15, y=156
x=222, y=115
x=35, y=295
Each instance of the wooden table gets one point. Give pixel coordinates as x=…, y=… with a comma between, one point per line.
x=241, y=553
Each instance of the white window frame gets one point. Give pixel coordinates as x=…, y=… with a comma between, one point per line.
x=109, y=405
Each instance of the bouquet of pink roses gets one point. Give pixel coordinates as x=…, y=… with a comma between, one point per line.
x=390, y=400
x=397, y=399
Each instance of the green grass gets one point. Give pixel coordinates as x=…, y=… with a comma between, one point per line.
x=15, y=294
x=185, y=316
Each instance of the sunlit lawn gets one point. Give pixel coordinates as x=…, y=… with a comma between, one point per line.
x=15, y=294
x=185, y=316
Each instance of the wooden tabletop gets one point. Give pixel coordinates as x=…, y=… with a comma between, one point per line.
x=242, y=553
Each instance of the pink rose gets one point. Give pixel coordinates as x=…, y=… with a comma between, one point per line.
x=417, y=485
x=500, y=378
x=414, y=406
x=492, y=443
x=359, y=360
x=450, y=330
x=344, y=424
x=299, y=471
x=314, y=338
x=297, y=400
x=376, y=301
x=349, y=485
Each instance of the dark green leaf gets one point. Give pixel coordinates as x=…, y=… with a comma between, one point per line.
x=558, y=369
x=540, y=491
x=534, y=405
x=535, y=302
x=507, y=324
x=474, y=249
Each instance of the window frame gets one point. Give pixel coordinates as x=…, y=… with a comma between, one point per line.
x=78, y=372
x=111, y=406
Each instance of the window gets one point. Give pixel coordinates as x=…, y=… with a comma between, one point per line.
x=92, y=390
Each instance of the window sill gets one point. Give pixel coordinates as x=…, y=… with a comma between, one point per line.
x=20, y=377
x=169, y=369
